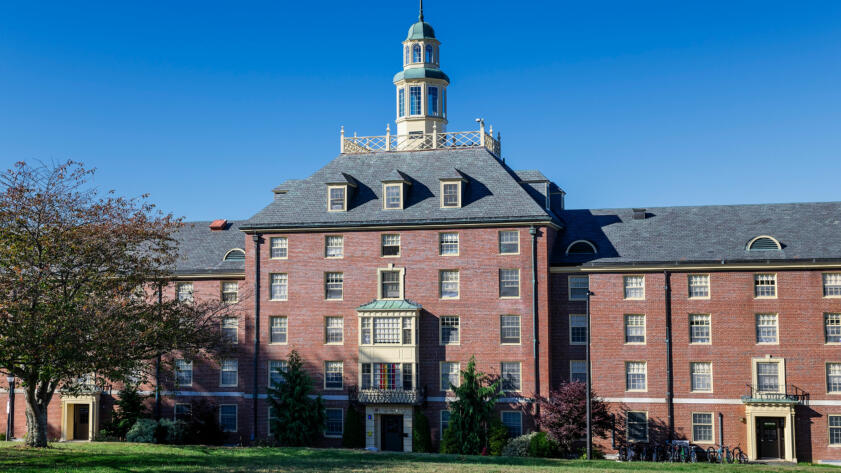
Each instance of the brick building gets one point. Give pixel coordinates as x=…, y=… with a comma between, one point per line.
x=392, y=265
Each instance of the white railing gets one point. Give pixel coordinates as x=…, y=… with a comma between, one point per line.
x=422, y=141
x=384, y=396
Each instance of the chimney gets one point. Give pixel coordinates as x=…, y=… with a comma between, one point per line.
x=219, y=224
x=639, y=214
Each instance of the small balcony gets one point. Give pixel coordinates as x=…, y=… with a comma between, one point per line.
x=792, y=395
x=388, y=396
x=422, y=141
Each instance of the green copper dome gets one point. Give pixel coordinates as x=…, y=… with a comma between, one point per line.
x=421, y=30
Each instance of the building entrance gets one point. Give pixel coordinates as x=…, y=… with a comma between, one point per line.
x=392, y=432
x=770, y=437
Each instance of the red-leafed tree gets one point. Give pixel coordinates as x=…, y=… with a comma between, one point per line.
x=563, y=415
x=73, y=268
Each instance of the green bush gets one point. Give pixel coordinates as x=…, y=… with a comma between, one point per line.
x=542, y=446
x=143, y=431
x=2, y=437
x=354, y=434
x=421, y=434
x=518, y=446
x=497, y=438
x=595, y=453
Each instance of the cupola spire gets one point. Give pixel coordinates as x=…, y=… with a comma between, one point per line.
x=420, y=16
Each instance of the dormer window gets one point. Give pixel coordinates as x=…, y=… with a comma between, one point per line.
x=393, y=196
x=451, y=194
x=764, y=243
x=337, y=198
x=235, y=254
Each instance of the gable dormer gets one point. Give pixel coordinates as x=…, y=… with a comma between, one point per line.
x=395, y=190
x=339, y=192
x=452, y=189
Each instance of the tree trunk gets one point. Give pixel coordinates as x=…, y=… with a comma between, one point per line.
x=36, y=417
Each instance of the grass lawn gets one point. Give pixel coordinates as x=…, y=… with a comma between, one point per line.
x=121, y=457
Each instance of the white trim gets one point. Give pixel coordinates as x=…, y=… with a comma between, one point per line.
x=692, y=400
x=224, y=258
x=647, y=400
x=588, y=243
x=777, y=242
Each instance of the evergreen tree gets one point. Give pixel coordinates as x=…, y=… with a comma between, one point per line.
x=472, y=413
x=354, y=432
x=421, y=435
x=297, y=417
x=130, y=407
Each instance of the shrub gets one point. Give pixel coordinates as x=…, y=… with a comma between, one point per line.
x=203, y=426
x=2, y=437
x=421, y=434
x=518, y=446
x=449, y=444
x=562, y=415
x=354, y=434
x=595, y=453
x=497, y=438
x=143, y=431
x=541, y=445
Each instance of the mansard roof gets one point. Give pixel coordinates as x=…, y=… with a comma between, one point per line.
x=492, y=193
x=704, y=234
x=202, y=250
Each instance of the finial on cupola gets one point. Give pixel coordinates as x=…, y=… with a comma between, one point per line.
x=420, y=16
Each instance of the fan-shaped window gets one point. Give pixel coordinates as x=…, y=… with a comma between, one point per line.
x=581, y=247
x=416, y=53
x=235, y=255
x=429, y=53
x=764, y=242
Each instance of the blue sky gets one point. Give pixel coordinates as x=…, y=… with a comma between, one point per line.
x=208, y=105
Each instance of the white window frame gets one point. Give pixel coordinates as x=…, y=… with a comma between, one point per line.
x=457, y=366
x=827, y=288
x=828, y=390
x=222, y=372
x=271, y=284
x=519, y=415
x=572, y=325
x=519, y=330
x=401, y=275
x=519, y=284
x=572, y=372
x=634, y=317
x=342, y=423
x=689, y=285
x=342, y=375
x=235, y=292
x=329, y=197
x=442, y=325
x=692, y=387
x=776, y=318
x=626, y=288
x=519, y=376
x=327, y=283
x=383, y=245
x=835, y=317
x=441, y=283
x=709, y=326
x=711, y=424
x=644, y=374
x=327, y=246
x=571, y=286
x=279, y=317
x=399, y=186
x=227, y=324
x=327, y=328
x=829, y=430
x=628, y=427
x=273, y=247
x=500, y=242
x=781, y=374
x=177, y=370
x=441, y=243
x=236, y=417
x=190, y=294
x=457, y=183
x=764, y=277
x=269, y=366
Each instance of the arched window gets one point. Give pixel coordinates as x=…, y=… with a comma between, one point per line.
x=235, y=254
x=407, y=55
x=764, y=242
x=581, y=247
x=429, y=53
x=416, y=53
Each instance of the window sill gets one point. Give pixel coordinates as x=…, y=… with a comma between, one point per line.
x=578, y=299
x=337, y=436
x=765, y=297
x=449, y=344
x=578, y=343
x=636, y=390
x=633, y=299
x=334, y=389
x=701, y=343
x=334, y=343
x=701, y=392
x=278, y=258
x=452, y=254
x=698, y=298
x=510, y=297
x=278, y=343
x=278, y=300
x=768, y=343
x=228, y=385
x=449, y=298
x=635, y=343
x=509, y=254
x=334, y=300
x=511, y=344
x=704, y=442
x=334, y=257
x=389, y=256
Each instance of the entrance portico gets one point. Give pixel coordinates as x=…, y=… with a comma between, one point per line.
x=770, y=430
x=79, y=417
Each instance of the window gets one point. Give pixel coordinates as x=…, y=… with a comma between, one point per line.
x=701, y=376
x=391, y=245
x=768, y=377
x=416, y=53
x=429, y=53
x=432, y=101
x=513, y=421
x=509, y=283
x=230, y=329
x=278, y=326
x=230, y=292
x=183, y=373
x=765, y=285
x=365, y=331
x=229, y=373
x=276, y=370
x=511, y=379
x=766, y=328
x=272, y=420
x=835, y=430
x=450, y=375
x=334, y=330
x=833, y=378
x=235, y=254
x=634, y=329
x=449, y=326
x=333, y=283
x=699, y=286
x=579, y=288
x=333, y=371
x=183, y=412
x=408, y=379
x=334, y=247
x=509, y=242
x=393, y=196
x=407, y=56
x=445, y=423
x=407, y=331
x=228, y=417
x=387, y=376
x=578, y=371
x=448, y=244
x=390, y=285
x=635, y=372
x=763, y=243
x=702, y=427
x=577, y=329
x=335, y=422
x=184, y=291
x=832, y=324
x=448, y=284
x=581, y=247
x=509, y=329
x=634, y=287
x=699, y=328
x=280, y=247
x=279, y=286
x=450, y=194
x=337, y=196
x=401, y=103
x=637, y=426
x=415, y=100
x=387, y=330
x=832, y=285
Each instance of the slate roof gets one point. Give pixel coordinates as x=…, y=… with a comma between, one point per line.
x=492, y=193
x=201, y=251
x=712, y=234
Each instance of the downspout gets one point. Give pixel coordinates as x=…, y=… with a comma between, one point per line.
x=158, y=360
x=669, y=378
x=257, y=240
x=534, y=320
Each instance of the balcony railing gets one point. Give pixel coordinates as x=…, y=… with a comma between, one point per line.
x=422, y=141
x=387, y=396
x=792, y=395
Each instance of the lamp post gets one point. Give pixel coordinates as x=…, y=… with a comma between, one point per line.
x=587, y=394
x=10, y=409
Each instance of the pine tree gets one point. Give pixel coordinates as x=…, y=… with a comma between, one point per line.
x=130, y=407
x=472, y=412
x=297, y=417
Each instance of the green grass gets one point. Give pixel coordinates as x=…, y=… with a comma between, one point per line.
x=121, y=457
